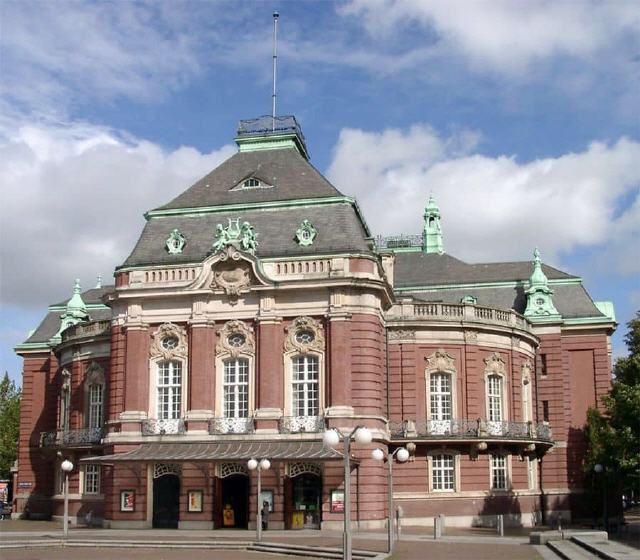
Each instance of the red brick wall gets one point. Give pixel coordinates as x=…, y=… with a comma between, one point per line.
x=116, y=374
x=368, y=387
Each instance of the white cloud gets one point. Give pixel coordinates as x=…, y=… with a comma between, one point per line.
x=493, y=209
x=503, y=35
x=73, y=198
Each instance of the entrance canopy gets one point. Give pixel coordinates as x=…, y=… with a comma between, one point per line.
x=226, y=451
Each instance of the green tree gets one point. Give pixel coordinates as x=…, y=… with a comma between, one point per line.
x=9, y=424
x=614, y=434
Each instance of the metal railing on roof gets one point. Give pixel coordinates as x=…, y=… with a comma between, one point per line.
x=398, y=241
x=270, y=125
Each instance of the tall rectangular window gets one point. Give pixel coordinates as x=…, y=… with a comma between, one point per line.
x=545, y=411
x=440, y=396
x=494, y=398
x=498, y=472
x=543, y=365
x=92, y=479
x=169, y=390
x=305, y=390
x=96, y=393
x=236, y=388
x=443, y=473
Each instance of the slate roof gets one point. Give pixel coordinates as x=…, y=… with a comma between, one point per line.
x=339, y=230
x=51, y=322
x=289, y=173
x=430, y=269
x=571, y=300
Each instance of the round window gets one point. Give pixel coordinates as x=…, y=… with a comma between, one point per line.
x=236, y=340
x=305, y=337
x=170, y=342
x=540, y=301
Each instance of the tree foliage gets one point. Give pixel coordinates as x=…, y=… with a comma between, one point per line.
x=9, y=424
x=614, y=434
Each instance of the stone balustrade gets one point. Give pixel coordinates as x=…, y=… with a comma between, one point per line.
x=86, y=330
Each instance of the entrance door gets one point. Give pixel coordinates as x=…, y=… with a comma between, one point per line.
x=306, y=500
x=166, y=501
x=233, y=502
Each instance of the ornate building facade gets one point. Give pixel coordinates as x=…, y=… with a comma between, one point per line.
x=255, y=312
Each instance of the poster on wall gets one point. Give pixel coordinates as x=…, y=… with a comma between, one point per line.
x=267, y=496
x=195, y=501
x=337, y=501
x=127, y=500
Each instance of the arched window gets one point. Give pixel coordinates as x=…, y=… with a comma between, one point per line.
x=169, y=387
x=96, y=399
x=305, y=390
x=236, y=388
x=494, y=398
x=440, y=396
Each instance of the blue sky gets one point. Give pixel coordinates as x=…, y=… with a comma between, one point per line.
x=521, y=118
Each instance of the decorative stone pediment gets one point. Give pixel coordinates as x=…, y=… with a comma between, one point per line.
x=95, y=374
x=169, y=341
x=441, y=360
x=304, y=335
x=494, y=364
x=526, y=372
x=235, y=338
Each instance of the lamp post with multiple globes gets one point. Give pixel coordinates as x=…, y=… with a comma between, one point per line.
x=67, y=467
x=332, y=437
x=402, y=455
x=261, y=465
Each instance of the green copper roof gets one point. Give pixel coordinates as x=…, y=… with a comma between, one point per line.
x=540, y=307
x=432, y=232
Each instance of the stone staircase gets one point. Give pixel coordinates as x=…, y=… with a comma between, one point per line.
x=581, y=545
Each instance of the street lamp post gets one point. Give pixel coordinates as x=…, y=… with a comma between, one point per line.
x=403, y=456
x=67, y=467
x=262, y=465
x=332, y=437
x=600, y=469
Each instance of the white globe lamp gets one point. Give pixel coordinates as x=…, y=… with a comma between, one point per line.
x=265, y=464
x=252, y=464
x=331, y=438
x=403, y=455
x=66, y=466
x=377, y=454
x=363, y=436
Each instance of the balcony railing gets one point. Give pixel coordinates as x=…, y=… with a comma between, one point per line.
x=470, y=429
x=218, y=426
x=155, y=427
x=300, y=424
x=84, y=330
x=69, y=438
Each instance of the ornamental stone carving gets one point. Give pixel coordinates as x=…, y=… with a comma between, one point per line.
x=66, y=380
x=306, y=233
x=232, y=274
x=304, y=335
x=169, y=342
x=441, y=360
x=494, y=364
x=175, y=242
x=526, y=372
x=471, y=337
x=402, y=334
x=95, y=374
x=297, y=469
x=235, y=338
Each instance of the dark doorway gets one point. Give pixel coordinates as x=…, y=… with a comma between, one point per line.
x=303, y=495
x=166, y=502
x=233, y=502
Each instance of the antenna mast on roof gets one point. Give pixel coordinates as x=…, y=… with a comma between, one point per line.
x=275, y=64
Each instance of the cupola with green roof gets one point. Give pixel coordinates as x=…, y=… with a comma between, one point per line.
x=432, y=232
x=76, y=312
x=540, y=305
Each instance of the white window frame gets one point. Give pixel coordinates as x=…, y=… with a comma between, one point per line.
x=527, y=405
x=172, y=409
x=440, y=396
x=307, y=385
x=507, y=471
x=236, y=388
x=95, y=408
x=532, y=473
x=91, y=473
x=456, y=470
x=492, y=395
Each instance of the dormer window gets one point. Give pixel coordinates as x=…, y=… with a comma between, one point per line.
x=251, y=183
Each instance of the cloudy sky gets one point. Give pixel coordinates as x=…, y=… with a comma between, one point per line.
x=520, y=117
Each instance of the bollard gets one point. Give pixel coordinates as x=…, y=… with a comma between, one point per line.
x=399, y=513
x=437, y=528
x=500, y=525
x=443, y=523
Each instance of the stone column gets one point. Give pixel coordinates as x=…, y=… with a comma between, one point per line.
x=338, y=365
x=269, y=373
x=136, y=379
x=202, y=348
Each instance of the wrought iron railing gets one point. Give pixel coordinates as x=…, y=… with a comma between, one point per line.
x=61, y=438
x=269, y=125
x=83, y=330
x=398, y=241
x=231, y=426
x=155, y=427
x=298, y=424
x=464, y=429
